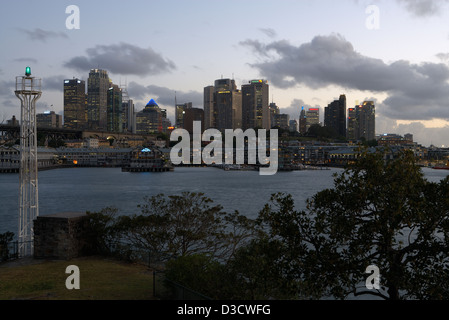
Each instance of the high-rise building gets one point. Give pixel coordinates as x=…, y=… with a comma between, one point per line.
x=75, y=104
x=302, y=122
x=293, y=125
x=335, y=116
x=97, y=99
x=255, y=105
x=209, y=117
x=48, y=119
x=129, y=115
x=281, y=120
x=191, y=115
x=180, y=111
x=367, y=121
x=223, y=105
x=362, y=122
x=274, y=110
x=114, y=110
x=352, y=133
x=149, y=120
x=312, y=117
x=228, y=109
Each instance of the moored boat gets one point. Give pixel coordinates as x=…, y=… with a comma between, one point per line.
x=442, y=167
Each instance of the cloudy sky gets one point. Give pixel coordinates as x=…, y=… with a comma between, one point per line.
x=395, y=52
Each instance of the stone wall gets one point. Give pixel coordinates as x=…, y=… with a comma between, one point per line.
x=60, y=236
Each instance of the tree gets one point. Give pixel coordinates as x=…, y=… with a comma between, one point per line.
x=100, y=231
x=5, y=239
x=185, y=225
x=200, y=273
x=382, y=213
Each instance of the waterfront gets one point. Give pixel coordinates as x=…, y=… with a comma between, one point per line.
x=91, y=189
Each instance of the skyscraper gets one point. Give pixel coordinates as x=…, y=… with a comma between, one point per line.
x=114, y=110
x=274, y=110
x=362, y=122
x=335, y=116
x=302, y=122
x=149, y=120
x=352, y=124
x=180, y=111
x=312, y=117
x=223, y=105
x=228, y=109
x=191, y=115
x=75, y=112
x=129, y=115
x=97, y=99
x=209, y=118
x=255, y=101
x=367, y=121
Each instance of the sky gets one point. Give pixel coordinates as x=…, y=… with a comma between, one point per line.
x=393, y=52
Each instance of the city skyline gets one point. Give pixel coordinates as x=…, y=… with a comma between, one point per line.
x=308, y=56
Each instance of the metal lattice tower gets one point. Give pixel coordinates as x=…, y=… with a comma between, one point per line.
x=28, y=90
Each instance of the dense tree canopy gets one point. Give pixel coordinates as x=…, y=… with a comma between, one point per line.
x=382, y=213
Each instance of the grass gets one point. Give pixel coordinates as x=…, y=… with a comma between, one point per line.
x=100, y=279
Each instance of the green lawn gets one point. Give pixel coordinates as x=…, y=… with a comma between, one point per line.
x=100, y=279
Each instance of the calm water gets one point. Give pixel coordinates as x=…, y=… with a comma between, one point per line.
x=91, y=189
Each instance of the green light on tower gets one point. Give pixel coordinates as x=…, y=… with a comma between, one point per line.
x=28, y=71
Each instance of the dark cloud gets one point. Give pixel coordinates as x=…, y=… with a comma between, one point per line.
x=122, y=58
x=42, y=35
x=414, y=91
x=163, y=95
x=423, y=8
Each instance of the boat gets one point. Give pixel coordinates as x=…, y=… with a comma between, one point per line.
x=147, y=160
x=442, y=167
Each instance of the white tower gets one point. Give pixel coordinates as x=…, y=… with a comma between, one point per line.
x=28, y=90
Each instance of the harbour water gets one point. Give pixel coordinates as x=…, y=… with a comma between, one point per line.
x=92, y=189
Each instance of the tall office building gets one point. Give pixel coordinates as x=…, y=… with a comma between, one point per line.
x=97, y=99
x=367, y=121
x=149, y=120
x=274, y=110
x=302, y=122
x=48, y=119
x=191, y=115
x=335, y=116
x=129, y=115
x=228, y=109
x=312, y=117
x=352, y=133
x=282, y=121
x=255, y=105
x=114, y=110
x=75, y=99
x=293, y=125
x=362, y=121
x=180, y=111
x=223, y=105
x=209, y=118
